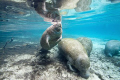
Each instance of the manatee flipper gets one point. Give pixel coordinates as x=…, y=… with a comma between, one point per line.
x=118, y=53
x=70, y=67
x=47, y=40
x=110, y=55
x=59, y=39
x=69, y=62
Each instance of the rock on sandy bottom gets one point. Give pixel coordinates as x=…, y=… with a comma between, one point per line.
x=27, y=63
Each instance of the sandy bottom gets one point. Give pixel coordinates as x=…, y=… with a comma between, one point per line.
x=25, y=62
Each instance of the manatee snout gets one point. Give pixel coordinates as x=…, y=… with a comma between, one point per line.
x=83, y=66
x=85, y=74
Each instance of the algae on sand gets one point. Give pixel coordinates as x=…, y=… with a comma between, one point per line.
x=25, y=63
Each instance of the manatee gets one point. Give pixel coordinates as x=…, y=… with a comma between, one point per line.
x=76, y=55
x=51, y=36
x=64, y=4
x=87, y=43
x=83, y=5
x=112, y=48
x=46, y=11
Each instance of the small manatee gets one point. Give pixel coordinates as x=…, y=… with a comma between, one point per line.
x=112, y=48
x=76, y=55
x=51, y=36
x=87, y=43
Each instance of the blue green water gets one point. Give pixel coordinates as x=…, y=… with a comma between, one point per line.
x=102, y=23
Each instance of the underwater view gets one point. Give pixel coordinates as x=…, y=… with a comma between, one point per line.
x=59, y=39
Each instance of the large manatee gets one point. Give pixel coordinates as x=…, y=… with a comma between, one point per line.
x=112, y=48
x=87, y=43
x=76, y=55
x=51, y=36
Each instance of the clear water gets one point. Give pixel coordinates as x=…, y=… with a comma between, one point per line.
x=103, y=23
x=100, y=24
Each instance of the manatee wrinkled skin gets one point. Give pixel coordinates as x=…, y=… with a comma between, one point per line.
x=112, y=48
x=87, y=43
x=76, y=55
x=51, y=36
